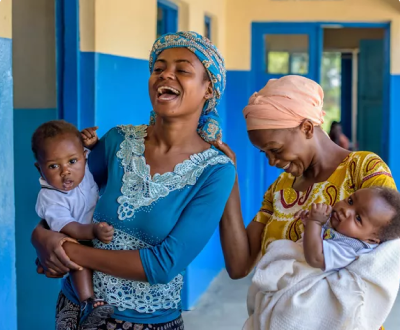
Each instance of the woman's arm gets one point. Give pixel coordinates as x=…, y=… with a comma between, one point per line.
x=49, y=248
x=123, y=264
x=241, y=246
x=161, y=263
x=56, y=251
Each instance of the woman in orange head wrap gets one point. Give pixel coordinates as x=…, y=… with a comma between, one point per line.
x=284, y=122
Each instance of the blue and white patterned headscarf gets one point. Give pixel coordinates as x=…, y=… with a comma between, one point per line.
x=209, y=124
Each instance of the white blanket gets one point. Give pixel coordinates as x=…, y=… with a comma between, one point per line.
x=287, y=294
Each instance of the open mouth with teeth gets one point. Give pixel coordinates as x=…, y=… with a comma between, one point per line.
x=166, y=93
x=67, y=185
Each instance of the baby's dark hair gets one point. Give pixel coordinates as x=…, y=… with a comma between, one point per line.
x=52, y=129
x=392, y=229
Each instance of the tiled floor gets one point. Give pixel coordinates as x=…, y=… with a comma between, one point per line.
x=223, y=307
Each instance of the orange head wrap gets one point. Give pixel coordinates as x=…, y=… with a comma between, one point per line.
x=285, y=103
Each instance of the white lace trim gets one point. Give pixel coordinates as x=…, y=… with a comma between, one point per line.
x=139, y=296
x=138, y=188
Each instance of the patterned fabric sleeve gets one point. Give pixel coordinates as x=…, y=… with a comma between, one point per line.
x=267, y=207
x=373, y=171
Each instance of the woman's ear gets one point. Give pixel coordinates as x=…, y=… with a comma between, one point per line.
x=209, y=92
x=307, y=128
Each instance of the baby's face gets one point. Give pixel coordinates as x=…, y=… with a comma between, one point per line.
x=62, y=162
x=361, y=215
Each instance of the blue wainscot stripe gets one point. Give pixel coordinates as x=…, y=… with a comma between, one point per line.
x=37, y=294
x=8, y=289
x=255, y=175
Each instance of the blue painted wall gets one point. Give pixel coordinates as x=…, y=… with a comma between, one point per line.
x=121, y=93
x=8, y=289
x=31, y=286
x=237, y=95
x=393, y=122
x=255, y=175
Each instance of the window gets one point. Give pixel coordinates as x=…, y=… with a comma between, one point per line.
x=287, y=53
x=207, y=27
x=167, y=17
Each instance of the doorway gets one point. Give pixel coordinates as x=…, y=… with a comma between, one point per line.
x=350, y=61
x=356, y=56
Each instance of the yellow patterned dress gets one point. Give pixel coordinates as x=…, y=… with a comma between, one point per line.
x=281, y=201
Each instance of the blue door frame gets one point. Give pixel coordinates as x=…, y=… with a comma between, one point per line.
x=314, y=30
x=67, y=58
x=260, y=76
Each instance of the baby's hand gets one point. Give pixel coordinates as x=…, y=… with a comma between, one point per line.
x=103, y=232
x=302, y=215
x=89, y=136
x=319, y=213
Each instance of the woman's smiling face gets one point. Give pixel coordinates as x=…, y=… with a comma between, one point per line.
x=179, y=85
x=287, y=149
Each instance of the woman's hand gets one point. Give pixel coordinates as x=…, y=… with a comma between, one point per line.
x=40, y=270
x=51, y=255
x=225, y=149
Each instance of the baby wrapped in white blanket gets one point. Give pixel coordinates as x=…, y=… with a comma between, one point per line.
x=292, y=290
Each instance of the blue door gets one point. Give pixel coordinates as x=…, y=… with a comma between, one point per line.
x=370, y=96
x=280, y=49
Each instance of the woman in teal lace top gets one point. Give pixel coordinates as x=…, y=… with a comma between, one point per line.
x=163, y=189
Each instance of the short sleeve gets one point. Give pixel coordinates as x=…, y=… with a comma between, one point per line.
x=97, y=161
x=193, y=230
x=373, y=171
x=266, y=210
x=337, y=255
x=56, y=214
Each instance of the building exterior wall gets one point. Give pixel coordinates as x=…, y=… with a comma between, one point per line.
x=115, y=39
x=239, y=30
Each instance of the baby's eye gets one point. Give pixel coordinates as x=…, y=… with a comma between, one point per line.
x=73, y=161
x=350, y=200
x=53, y=166
x=358, y=218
